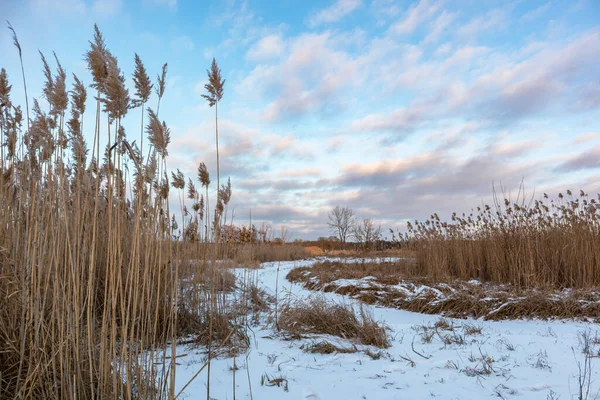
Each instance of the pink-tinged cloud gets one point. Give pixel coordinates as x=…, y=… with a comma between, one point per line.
x=338, y=10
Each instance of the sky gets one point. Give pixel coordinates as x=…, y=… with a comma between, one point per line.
x=396, y=109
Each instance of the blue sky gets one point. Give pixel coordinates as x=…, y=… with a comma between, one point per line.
x=397, y=109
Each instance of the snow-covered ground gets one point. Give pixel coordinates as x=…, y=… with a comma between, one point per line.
x=525, y=359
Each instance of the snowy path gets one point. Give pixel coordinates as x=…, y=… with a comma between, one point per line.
x=531, y=360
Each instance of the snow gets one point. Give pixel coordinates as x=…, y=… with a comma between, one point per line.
x=531, y=359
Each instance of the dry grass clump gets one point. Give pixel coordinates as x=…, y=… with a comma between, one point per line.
x=258, y=299
x=219, y=327
x=319, y=316
x=325, y=347
x=547, y=242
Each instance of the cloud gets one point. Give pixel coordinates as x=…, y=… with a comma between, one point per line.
x=240, y=24
x=182, y=43
x=244, y=152
x=386, y=173
x=315, y=74
x=504, y=89
x=589, y=97
x=586, y=137
x=550, y=77
x=403, y=120
x=436, y=181
x=288, y=146
x=306, y=79
x=416, y=15
x=334, y=13
x=586, y=160
x=268, y=47
x=106, y=8
x=439, y=25
x=385, y=9
x=484, y=23
x=279, y=213
x=536, y=12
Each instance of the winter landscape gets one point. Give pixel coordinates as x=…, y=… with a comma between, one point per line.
x=332, y=199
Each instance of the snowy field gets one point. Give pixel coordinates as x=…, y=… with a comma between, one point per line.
x=507, y=359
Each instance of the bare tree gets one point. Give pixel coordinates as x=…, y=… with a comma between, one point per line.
x=366, y=233
x=340, y=222
x=284, y=234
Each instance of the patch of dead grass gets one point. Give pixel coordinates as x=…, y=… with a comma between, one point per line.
x=319, y=316
x=400, y=285
x=325, y=347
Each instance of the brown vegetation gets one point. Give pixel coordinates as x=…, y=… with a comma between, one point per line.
x=401, y=285
x=548, y=242
x=318, y=316
x=95, y=283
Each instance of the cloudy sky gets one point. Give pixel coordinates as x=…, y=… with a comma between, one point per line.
x=397, y=109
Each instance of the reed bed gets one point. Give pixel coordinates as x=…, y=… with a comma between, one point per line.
x=90, y=254
x=545, y=242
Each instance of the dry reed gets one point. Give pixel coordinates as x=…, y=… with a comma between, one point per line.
x=546, y=242
x=90, y=257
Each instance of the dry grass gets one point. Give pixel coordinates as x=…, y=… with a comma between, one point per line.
x=399, y=285
x=90, y=254
x=286, y=252
x=314, y=250
x=325, y=347
x=318, y=316
x=385, y=272
x=265, y=252
x=547, y=242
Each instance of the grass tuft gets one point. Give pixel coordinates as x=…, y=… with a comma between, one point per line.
x=319, y=316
